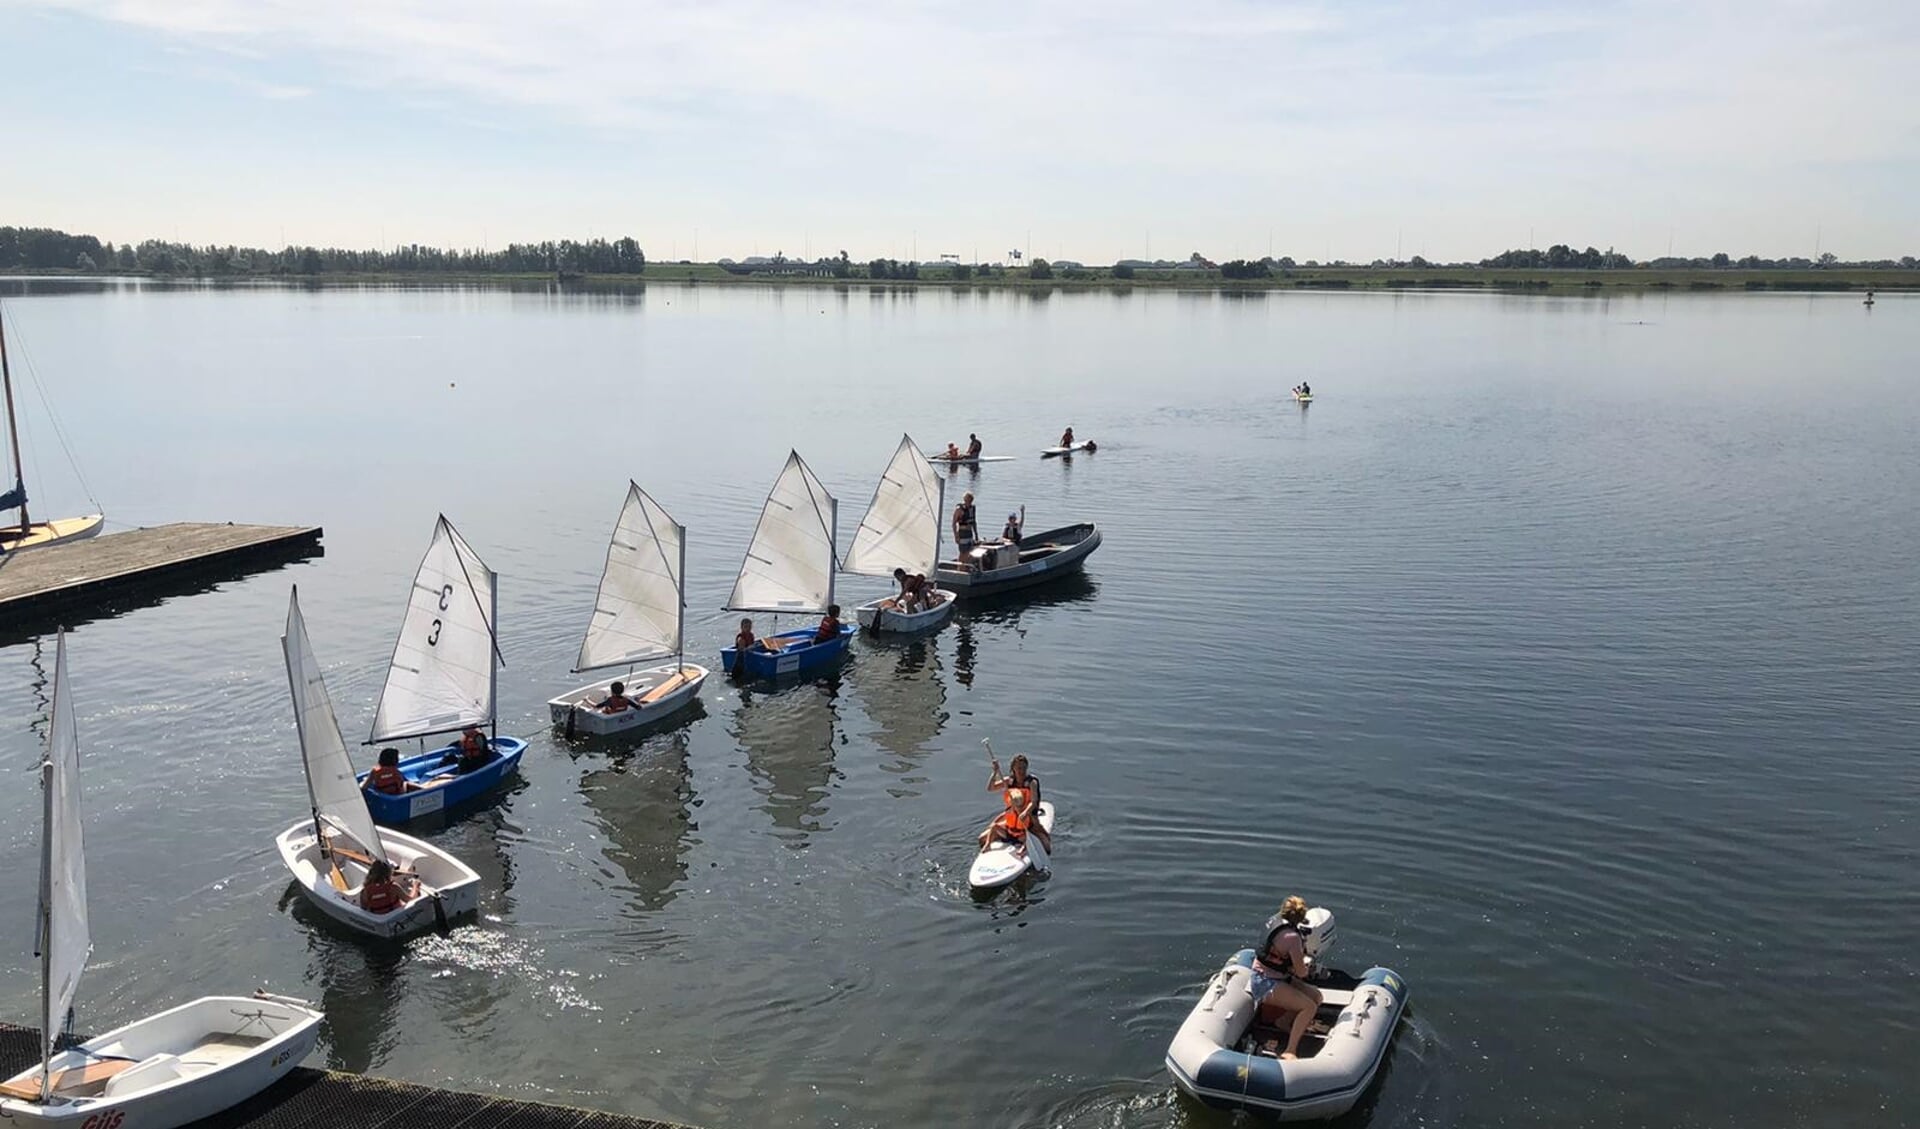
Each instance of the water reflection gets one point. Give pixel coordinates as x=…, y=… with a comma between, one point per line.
x=789, y=735
x=1011, y=607
x=642, y=807
x=360, y=987
x=964, y=649
x=900, y=686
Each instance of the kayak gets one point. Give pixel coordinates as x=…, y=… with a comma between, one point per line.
x=1001, y=863
x=1086, y=445
x=974, y=461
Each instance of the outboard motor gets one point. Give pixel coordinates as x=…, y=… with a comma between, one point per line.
x=1317, y=936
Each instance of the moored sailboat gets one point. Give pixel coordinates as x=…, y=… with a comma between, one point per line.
x=902, y=531
x=331, y=854
x=789, y=568
x=182, y=1065
x=27, y=533
x=639, y=616
x=443, y=678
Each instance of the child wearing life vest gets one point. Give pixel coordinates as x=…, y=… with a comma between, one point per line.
x=1021, y=792
x=381, y=893
x=473, y=751
x=616, y=700
x=386, y=777
x=829, y=625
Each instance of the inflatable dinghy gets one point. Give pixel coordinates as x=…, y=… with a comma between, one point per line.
x=1212, y=1055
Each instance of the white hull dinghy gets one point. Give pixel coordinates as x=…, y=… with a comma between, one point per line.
x=329, y=855
x=1212, y=1056
x=901, y=530
x=166, y=1070
x=27, y=533
x=1001, y=864
x=639, y=615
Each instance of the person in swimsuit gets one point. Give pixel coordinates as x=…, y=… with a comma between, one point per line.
x=973, y=445
x=1280, y=971
x=1066, y=437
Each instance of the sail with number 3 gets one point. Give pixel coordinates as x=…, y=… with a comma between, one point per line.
x=443, y=675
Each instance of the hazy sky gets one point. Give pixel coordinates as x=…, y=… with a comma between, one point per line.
x=1102, y=127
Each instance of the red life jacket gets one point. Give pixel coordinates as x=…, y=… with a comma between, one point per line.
x=829, y=627
x=472, y=746
x=382, y=897
x=387, y=779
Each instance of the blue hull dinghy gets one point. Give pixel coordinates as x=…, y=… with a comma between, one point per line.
x=441, y=784
x=798, y=654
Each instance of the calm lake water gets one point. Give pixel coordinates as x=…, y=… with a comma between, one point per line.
x=1565, y=648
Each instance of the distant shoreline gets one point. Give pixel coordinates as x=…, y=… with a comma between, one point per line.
x=1493, y=279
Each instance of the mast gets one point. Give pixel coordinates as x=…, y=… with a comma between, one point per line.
x=13, y=428
x=833, y=544
x=680, y=631
x=493, y=666
x=939, y=515
x=46, y=928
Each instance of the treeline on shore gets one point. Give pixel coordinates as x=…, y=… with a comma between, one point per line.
x=39, y=248
x=46, y=249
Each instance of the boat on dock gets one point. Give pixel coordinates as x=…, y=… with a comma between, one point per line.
x=330, y=854
x=1035, y=558
x=443, y=678
x=1215, y=1058
x=180, y=1066
x=902, y=530
x=789, y=570
x=639, y=616
x=26, y=533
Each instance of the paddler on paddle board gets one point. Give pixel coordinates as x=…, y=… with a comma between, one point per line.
x=1021, y=792
x=973, y=445
x=1066, y=437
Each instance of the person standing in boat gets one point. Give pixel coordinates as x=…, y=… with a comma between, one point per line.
x=966, y=525
x=1280, y=972
x=973, y=441
x=1021, y=791
x=913, y=590
x=1011, y=532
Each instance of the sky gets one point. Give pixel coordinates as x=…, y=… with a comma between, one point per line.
x=1083, y=129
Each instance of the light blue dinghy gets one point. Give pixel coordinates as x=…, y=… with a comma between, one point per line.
x=789, y=570
x=1213, y=1055
x=443, y=679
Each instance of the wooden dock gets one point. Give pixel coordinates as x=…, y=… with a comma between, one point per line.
x=114, y=572
x=323, y=1099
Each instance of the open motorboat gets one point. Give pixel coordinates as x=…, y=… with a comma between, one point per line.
x=167, y=1070
x=330, y=854
x=902, y=530
x=1213, y=1055
x=639, y=616
x=789, y=569
x=443, y=678
x=1006, y=565
x=27, y=533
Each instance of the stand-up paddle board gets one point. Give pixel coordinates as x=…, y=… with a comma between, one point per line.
x=1307, y=399
x=1001, y=863
x=1056, y=452
x=964, y=461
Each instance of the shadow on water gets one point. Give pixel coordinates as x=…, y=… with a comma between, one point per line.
x=900, y=687
x=642, y=806
x=111, y=603
x=631, y=740
x=1007, y=607
x=360, y=984
x=789, y=735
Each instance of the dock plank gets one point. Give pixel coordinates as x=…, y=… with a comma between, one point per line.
x=141, y=564
x=324, y=1099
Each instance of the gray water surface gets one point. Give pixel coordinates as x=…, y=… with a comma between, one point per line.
x=1565, y=647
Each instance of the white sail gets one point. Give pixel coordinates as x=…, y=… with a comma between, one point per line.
x=330, y=779
x=442, y=676
x=64, y=939
x=789, y=564
x=637, y=614
x=902, y=526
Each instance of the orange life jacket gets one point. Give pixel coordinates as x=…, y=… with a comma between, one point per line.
x=381, y=898
x=1016, y=801
x=472, y=745
x=829, y=627
x=388, y=779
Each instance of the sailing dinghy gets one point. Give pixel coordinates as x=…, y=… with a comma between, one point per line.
x=442, y=679
x=27, y=533
x=330, y=853
x=639, y=615
x=182, y=1065
x=789, y=569
x=902, y=530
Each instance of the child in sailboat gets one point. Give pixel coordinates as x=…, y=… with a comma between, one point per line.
x=473, y=752
x=386, y=778
x=382, y=892
x=829, y=625
x=616, y=700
